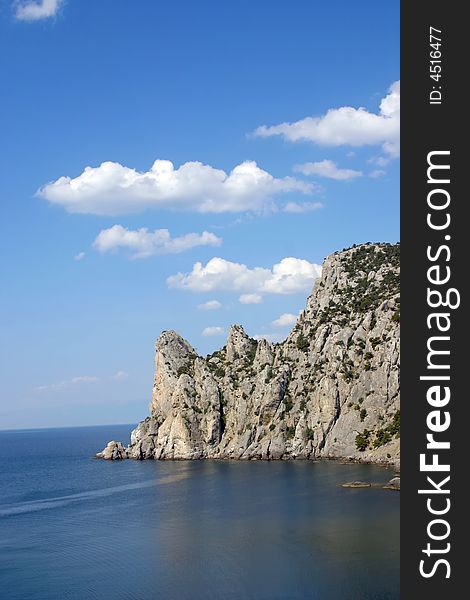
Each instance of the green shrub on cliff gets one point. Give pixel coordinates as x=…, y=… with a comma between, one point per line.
x=302, y=343
x=362, y=440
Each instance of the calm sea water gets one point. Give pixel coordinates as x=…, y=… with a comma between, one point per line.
x=72, y=527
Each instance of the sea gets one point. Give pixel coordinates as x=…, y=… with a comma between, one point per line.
x=73, y=527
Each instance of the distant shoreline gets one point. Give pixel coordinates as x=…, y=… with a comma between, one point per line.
x=33, y=429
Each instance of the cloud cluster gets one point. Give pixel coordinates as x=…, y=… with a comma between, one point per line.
x=113, y=189
x=348, y=126
x=30, y=10
x=289, y=276
x=327, y=168
x=144, y=243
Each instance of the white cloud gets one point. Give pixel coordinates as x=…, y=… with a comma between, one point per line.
x=68, y=383
x=289, y=276
x=144, y=243
x=79, y=256
x=273, y=338
x=211, y=331
x=303, y=207
x=348, y=126
x=210, y=305
x=84, y=379
x=28, y=10
x=120, y=376
x=79, y=380
x=377, y=173
x=380, y=161
x=112, y=189
x=285, y=320
x=251, y=299
x=327, y=168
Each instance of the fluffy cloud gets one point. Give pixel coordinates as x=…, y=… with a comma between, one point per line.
x=112, y=189
x=144, y=243
x=303, y=207
x=348, y=126
x=251, y=299
x=285, y=320
x=210, y=305
x=79, y=256
x=289, y=276
x=327, y=168
x=29, y=10
x=211, y=331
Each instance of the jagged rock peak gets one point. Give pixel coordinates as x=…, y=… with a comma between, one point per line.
x=171, y=341
x=356, y=279
x=331, y=389
x=239, y=344
x=264, y=353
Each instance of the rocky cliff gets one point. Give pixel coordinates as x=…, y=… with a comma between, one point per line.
x=331, y=389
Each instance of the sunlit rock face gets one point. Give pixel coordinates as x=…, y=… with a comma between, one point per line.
x=331, y=389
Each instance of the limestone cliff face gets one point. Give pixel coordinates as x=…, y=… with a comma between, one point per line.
x=331, y=389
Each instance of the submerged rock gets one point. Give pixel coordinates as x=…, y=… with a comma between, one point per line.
x=331, y=389
x=356, y=484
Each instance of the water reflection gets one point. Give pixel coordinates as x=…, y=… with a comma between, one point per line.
x=189, y=530
x=259, y=529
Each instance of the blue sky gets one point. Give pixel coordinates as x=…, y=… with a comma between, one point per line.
x=276, y=130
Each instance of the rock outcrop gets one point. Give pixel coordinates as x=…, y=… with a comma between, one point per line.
x=393, y=484
x=113, y=451
x=330, y=390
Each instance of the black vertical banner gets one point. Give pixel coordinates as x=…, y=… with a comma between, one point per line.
x=434, y=323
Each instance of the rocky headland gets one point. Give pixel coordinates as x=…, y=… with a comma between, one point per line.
x=330, y=390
